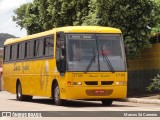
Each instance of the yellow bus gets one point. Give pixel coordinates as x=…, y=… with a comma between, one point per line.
x=74, y=62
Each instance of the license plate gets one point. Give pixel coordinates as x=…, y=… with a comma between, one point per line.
x=99, y=91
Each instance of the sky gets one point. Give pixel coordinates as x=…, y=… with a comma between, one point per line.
x=6, y=12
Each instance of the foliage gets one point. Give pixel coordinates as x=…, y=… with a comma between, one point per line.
x=3, y=37
x=156, y=28
x=44, y=15
x=133, y=17
x=27, y=16
x=155, y=85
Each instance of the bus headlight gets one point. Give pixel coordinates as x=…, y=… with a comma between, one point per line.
x=77, y=83
x=120, y=83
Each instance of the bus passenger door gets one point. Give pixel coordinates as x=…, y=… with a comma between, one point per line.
x=61, y=62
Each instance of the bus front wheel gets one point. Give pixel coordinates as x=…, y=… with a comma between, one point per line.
x=20, y=96
x=107, y=102
x=56, y=95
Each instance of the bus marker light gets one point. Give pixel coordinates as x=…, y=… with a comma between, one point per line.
x=77, y=83
x=119, y=83
x=69, y=83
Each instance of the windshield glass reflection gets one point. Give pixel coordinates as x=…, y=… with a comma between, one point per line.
x=87, y=52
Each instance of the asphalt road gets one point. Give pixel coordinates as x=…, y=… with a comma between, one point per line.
x=8, y=102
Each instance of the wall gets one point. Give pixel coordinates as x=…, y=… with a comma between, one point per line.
x=142, y=69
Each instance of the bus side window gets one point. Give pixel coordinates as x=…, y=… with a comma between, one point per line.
x=6, y=53
x=27, y=49
x=13, y=52
x=48, y=46
x=23, y=50
x=41, y=47
x=38, y=48
x=29, y=45
x=10, y=51
x=31, y=49
x=19, y=51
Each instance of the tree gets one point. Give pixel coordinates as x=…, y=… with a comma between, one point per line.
x=133, y=17
x=155, y=84
x=43, y=15
x=68, y=12
x=20, y=14
x=156, y=28
x=28, y=17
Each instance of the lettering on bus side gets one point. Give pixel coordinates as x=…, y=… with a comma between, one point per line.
x=120, y=75
x=16, y=67
x=105, y=76
x=77, y=75
x=25, y=67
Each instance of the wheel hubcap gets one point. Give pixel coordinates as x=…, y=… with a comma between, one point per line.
x=19, y=91
x=56, y=95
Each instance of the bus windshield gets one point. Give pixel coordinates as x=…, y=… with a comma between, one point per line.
x=95, y=52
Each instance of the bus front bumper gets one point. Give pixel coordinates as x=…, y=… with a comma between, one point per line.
x=114, y=92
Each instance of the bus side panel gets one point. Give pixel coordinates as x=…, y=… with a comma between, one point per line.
x=27, y=78
x=12, y=72
x=16, y=73
x=50, y=68
x=6, y=75
x=43, y=71
x=39, y=77
x=50, y=74
x=63, y=81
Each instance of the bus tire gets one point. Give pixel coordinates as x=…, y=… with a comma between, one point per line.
x=107, y=102
x=28, y=97
x=56, y=96
x=20, y=96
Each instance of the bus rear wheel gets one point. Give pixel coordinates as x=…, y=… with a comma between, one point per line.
x=20, y=96
x=107, y=102
x=56, y=96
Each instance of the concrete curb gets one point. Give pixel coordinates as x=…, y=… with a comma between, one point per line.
x=141, y=100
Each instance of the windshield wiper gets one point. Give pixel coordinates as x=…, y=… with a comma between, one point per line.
x=108, y=61
x=91, y=61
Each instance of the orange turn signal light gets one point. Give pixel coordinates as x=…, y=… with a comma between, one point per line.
x=69, y=83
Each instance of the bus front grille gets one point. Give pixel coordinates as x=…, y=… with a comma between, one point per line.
x=106, y=82
x=91, y=82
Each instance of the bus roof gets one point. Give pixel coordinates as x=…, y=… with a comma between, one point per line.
x=68, y=29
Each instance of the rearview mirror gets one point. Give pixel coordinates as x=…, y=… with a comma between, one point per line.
x=61, y=56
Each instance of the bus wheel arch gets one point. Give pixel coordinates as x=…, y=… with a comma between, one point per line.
x=18, y=82
x=56, y=93
x=19, y=90
x=19, y=95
